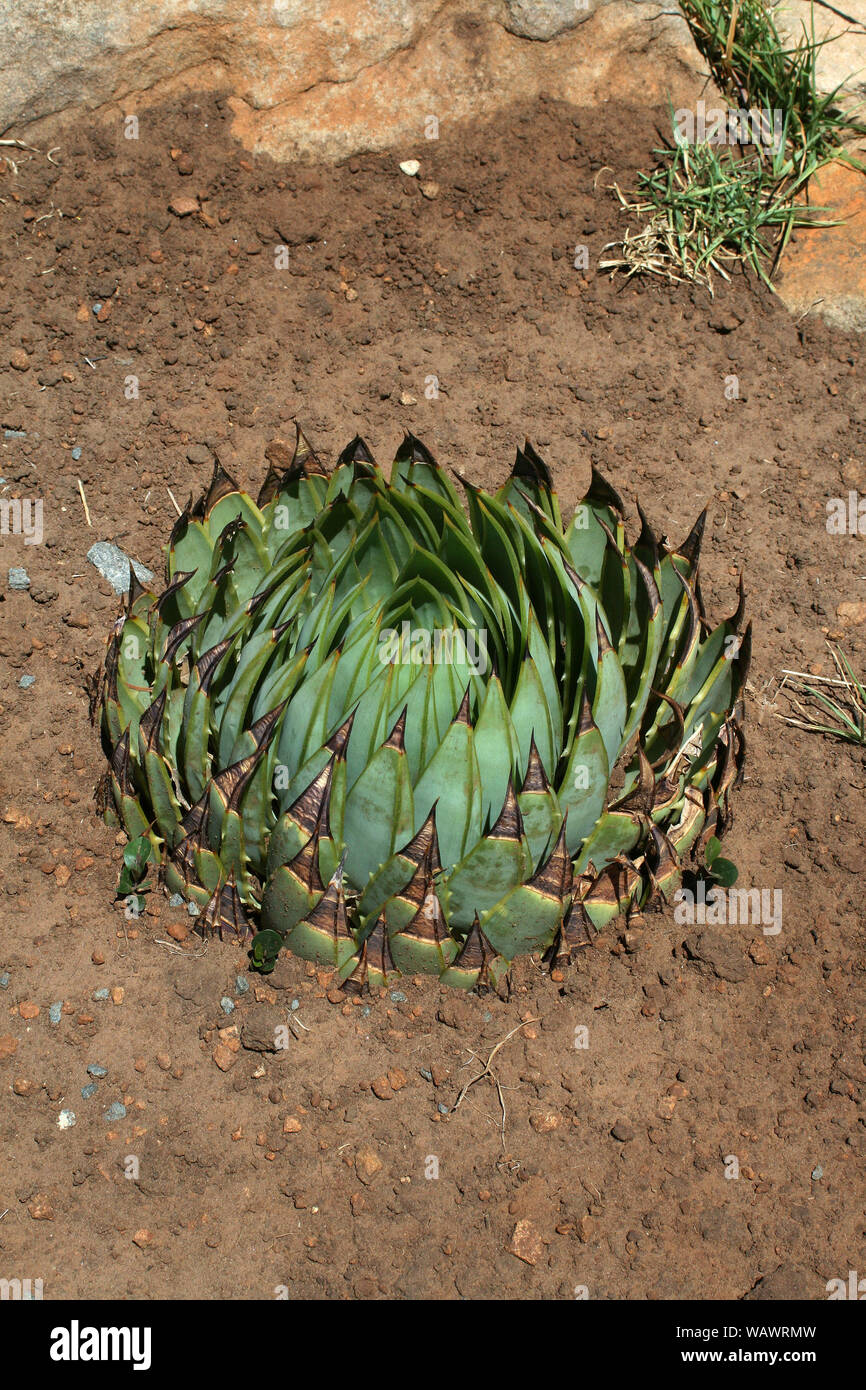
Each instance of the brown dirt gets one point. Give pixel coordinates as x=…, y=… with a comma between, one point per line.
x=303, y=1169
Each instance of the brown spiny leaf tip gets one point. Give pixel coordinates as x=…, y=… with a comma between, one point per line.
x=424, y=844
x=221, y=485
x=396, y=737
x=329, y=913
x=476, y=953
x=355, y=983
x=311, y=810
x=509, y=826
x=225, y=914
x=462, y=715
x=339, y=739
x=428, y=924
x=151, y=720
x=575, y=934
x=553, y=878
x=418, y=888
x=536, y=778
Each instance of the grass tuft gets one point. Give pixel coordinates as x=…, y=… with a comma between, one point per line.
x=710, y=207
x=846, y=708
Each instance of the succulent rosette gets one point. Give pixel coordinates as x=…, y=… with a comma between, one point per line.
x=395, y=733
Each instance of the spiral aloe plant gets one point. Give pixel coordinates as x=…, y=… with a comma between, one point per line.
x=395, y=736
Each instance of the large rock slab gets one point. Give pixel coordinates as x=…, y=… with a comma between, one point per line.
x=841, y=62
x=824, y=271
x=324, y=78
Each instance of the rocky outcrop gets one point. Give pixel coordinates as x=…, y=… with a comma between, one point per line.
x=824, y=271
x=325, y=78
x=841, y=61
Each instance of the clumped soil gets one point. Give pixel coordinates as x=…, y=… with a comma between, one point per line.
x=237, y=1172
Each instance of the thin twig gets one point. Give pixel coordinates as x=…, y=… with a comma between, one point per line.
x=822, y=680
x=173, y=946
x=485, y=1071
x=174, y=501
x=84, y=502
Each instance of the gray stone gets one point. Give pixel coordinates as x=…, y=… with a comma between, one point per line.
x=18, y=578
x=546, y=19
x=113, y=565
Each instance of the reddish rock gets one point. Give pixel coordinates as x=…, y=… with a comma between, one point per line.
x=367, y=1164
x=224, y=1057
x=183, y=206
x=526, y=1243
x=824, y=271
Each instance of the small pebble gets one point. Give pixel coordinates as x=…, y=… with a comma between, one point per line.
x=442, y=1108
x=18, y=578
x=296, y=1004
x=817, y=1173
x=242, y=984
x=100, y=994
x=89, y=1090
x=94, y=1069
x=26, y=682
x=96, y=308
x=622, y=1131
x=115, y=1111
x=427, y=1075
x=15, y=434
x=55, y=1010
x=66, y=1119
x=76, y=453
x=410, y=167
x=227, y=1005
x=5, y=980
x=397, y=996
x=176, y=900
x=193, y=909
